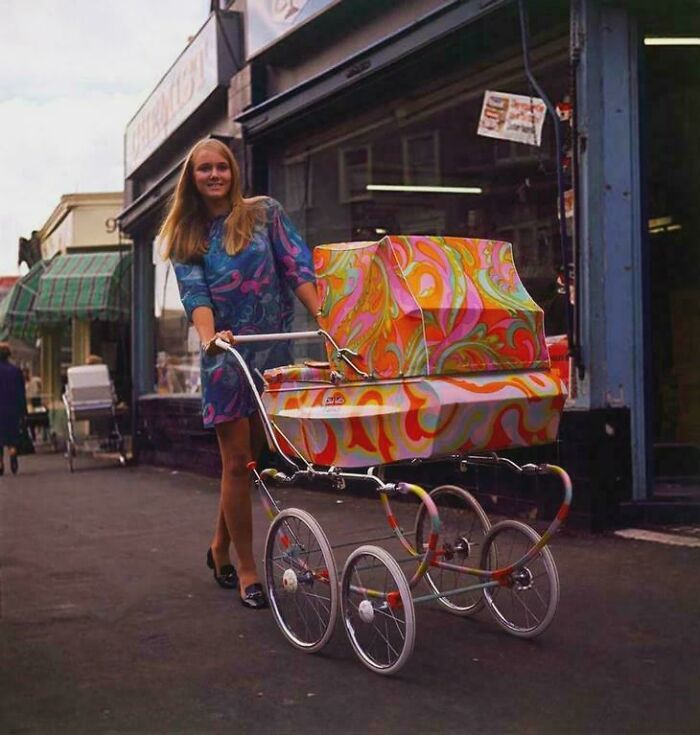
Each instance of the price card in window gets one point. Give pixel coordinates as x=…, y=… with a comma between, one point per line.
x=512, y=117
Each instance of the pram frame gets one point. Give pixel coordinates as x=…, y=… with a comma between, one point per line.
x=489, y=581
x=87, y=411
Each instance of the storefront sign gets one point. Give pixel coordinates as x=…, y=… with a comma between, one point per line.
x=192, y=78
x=512, y=117
x=268, y=20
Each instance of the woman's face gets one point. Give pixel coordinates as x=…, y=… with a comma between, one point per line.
x=212, y=176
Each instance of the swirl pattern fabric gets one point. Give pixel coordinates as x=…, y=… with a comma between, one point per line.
x=453, y=343
x=419, y=305
x=363, y=424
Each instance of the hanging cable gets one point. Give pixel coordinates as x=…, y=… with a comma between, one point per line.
x=563, y=235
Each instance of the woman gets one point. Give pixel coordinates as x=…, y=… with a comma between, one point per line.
x=237, y=262
x=13, y=407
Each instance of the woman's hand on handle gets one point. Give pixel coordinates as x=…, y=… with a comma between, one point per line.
x=211, y=348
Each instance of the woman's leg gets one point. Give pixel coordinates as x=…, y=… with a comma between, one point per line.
x=14, y=462
x=235, y=510
x=222, y=540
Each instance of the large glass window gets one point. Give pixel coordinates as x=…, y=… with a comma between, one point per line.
x=428, y=138
x=177, y=342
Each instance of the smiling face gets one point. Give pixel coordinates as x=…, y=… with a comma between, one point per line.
x=212, y=176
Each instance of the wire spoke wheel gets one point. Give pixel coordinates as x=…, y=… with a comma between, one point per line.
x=463, y=526
x=378, y=612
x=525, y=603
x=302, y=581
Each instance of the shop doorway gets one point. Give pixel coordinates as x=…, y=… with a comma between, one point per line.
x=671, y=110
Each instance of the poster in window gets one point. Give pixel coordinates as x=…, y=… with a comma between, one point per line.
x=512, y=117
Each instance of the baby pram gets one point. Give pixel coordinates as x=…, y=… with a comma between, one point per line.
x=436, y=353
x=90, y=397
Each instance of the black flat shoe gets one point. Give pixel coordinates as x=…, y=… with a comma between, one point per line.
x=14, y=463
x=227, y=576
x=255, y=597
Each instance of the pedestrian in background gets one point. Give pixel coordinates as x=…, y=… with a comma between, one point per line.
x=238, y=263
x=32, y=387
x=13, y=407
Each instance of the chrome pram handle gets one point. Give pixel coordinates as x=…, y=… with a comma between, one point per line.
x=343, y=353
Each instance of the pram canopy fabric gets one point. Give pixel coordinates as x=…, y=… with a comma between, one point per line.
x=421, y=306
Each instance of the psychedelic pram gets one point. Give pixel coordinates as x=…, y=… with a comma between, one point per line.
x=448, y=356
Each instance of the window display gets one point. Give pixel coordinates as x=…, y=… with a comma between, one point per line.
x=177, y=343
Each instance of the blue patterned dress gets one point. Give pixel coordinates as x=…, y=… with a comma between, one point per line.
x=250, y=293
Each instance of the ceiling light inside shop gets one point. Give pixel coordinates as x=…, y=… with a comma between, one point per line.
x=659, y=41
x=663, y=224
x=427, y=189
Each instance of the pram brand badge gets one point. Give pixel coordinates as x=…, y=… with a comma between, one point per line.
x=334, y=399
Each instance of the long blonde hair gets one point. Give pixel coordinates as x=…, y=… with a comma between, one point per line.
x=184, y=229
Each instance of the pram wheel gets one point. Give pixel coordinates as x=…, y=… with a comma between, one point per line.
x=463, y=526
x=526, y=603
x=302, y=581
x=378, y=611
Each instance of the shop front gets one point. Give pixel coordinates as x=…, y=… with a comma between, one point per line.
x=365, y=119
x=374, y=128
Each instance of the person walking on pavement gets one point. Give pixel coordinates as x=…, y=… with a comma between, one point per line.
x=238, y=261
x=13, y=407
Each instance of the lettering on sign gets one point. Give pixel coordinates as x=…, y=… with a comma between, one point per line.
x=266, y=21
x=189, y=82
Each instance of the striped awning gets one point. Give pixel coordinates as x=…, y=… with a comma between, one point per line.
x=17, y=315
x=85, y=286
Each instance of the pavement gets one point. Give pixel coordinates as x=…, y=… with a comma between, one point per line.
x=111, y=623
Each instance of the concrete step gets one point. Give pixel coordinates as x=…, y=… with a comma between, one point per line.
x=659, y=511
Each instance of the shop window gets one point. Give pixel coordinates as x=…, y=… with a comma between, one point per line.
x=507, y=152
x=355, y=171
x=421, y=159
x=298, y=185
x=177, y=342
x=478, y=187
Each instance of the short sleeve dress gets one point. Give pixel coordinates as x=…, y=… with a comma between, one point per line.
x=250, y=293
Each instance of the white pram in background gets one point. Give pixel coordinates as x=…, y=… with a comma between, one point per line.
x=90, y=396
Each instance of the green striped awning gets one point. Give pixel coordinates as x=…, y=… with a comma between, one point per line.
x=85, y=286
x=4, y=330
x=17, y=316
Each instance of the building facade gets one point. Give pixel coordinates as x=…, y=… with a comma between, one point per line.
x=82, y=224
x=363, y=118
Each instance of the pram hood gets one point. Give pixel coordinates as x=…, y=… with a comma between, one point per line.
x=425, y=305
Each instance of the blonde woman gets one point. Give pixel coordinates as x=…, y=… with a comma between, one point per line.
x=237, y=261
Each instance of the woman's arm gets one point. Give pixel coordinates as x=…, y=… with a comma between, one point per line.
x=203, y=320
x=306, y=293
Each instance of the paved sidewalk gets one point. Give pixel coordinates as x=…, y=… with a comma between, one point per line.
x=111, y=623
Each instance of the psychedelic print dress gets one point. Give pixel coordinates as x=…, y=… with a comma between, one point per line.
x=250, y=293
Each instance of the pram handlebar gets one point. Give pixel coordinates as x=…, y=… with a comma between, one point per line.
x=272, y=337
x=342, y=353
